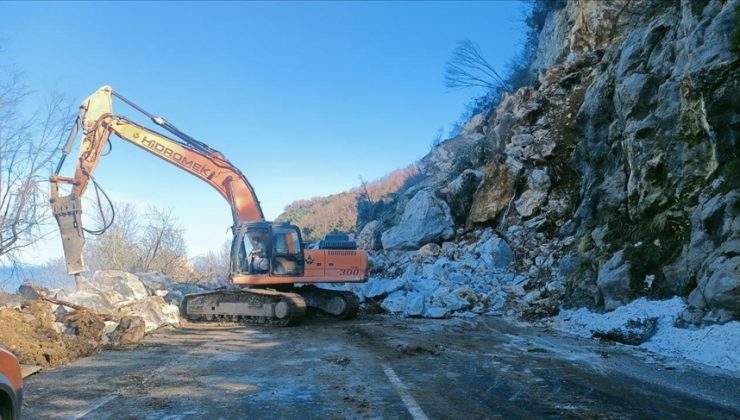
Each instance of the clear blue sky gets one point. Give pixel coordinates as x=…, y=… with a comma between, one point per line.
x=303, y=97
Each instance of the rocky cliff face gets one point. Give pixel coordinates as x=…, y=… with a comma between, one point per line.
x=617, y=177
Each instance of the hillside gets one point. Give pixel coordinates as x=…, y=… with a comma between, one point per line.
x=610, y=183
x=321, y=215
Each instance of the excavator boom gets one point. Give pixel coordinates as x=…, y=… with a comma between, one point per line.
x=98, y=122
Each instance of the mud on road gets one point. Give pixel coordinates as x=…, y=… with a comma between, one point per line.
x=379, y=366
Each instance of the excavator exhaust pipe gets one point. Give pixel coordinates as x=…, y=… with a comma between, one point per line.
x=68, y=212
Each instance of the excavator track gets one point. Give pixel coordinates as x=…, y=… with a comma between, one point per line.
x=340, y=304
x=250, y=306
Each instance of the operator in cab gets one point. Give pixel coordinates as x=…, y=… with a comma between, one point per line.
x=258, y=260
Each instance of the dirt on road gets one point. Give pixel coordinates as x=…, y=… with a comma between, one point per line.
x=31, y=334
x=379, y=366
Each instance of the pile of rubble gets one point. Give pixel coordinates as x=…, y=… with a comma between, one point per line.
x=113, y=308
x=462, y=278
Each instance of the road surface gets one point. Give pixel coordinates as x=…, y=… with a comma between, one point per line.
x=379, y=367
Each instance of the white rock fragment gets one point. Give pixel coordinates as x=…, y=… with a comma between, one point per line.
x=395, y=302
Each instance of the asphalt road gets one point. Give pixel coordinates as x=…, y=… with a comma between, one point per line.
x=379, y=367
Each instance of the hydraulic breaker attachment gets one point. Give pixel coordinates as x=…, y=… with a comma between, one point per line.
x=68, y=212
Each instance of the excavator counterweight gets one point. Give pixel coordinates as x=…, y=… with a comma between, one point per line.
x=263, y=254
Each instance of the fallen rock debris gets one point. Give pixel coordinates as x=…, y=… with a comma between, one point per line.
x=50, y=328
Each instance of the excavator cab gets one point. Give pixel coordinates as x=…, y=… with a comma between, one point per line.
x=267, y=249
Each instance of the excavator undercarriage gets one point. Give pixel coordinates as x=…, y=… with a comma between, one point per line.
x=261, y=306
x=251, y=306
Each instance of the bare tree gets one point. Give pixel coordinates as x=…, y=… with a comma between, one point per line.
x=28, y=144
x=466, y=68
x=213, y=266
x=162, y=246
x=149, y=243
x=437, y=139
x=117, y=248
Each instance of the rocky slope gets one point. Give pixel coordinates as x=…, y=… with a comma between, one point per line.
x=339, y=212
x=615, y=178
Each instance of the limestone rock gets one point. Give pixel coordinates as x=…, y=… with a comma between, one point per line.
x=614, y=281
x=118, y=286
x=634, y=332
x=553, y=42
x=425, y=219
x=459, y=193
x=435, y=312
x=431, y=250
x=369, y=237
x=380, y=287
x=395, y=302
x=538, y=184
x=154, y=311
x=529, y=202
x=721, y=289
x=130, y=330
x=443, y=161
x=474, y=124
x=713, y=254
x=107, y=291
x=493, y=194
x=414, y=304
x=495, y=252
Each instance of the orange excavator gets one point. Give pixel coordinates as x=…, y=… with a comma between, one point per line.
x=267, y=258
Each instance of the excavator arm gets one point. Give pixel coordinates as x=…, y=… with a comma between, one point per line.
x=98, y=122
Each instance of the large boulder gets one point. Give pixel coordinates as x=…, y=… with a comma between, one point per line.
x=495, y=253
x=369, y=237
x=720, y=287
x=445, y=160
x=159, y=285
x=130, y=330
x=425, y=219
x=459, y=193
x=475, y=124
x=118, y=286
x=107, y=291
x=493, y=194
x=714, y=255
x=155, y=312
x=634, y=332
x=376, y=287
x=614, y=281
x=395, y=302
x=414, y=304
x=538, y=184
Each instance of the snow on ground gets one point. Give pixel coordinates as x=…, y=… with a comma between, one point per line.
x=583, y=322
x=714, y=345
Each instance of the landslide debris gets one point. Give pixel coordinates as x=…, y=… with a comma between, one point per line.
x=32, y=334
x=50, y=328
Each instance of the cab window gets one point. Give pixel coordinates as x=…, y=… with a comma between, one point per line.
x=287, y=254
x=287, y=241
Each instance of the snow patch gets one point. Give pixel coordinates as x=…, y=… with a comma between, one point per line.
x=715, y=345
